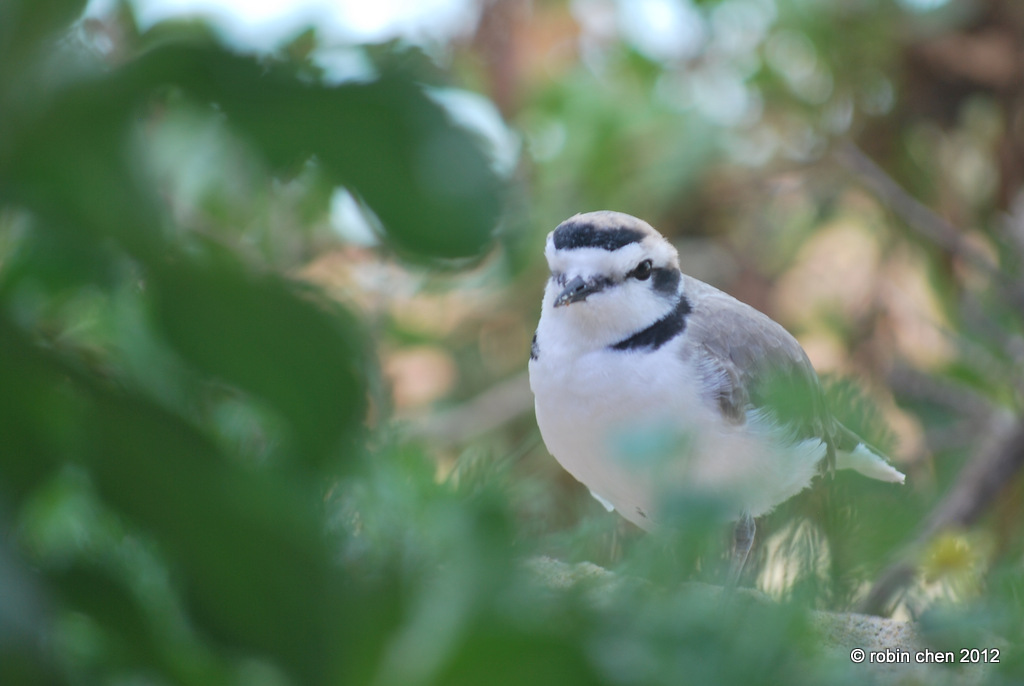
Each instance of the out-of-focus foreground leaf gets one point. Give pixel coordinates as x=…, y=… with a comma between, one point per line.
x=236, y=535
x=257, y=331
x=24, y=25
x=425, y=179
x=251, y=581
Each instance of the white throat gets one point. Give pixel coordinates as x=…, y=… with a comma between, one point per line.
x=603, y=319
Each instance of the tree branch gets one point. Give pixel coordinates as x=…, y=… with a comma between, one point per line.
x=494, y=407
x=924, y=221
x=981, y=481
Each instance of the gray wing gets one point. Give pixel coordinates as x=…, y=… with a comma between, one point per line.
x=747, y=361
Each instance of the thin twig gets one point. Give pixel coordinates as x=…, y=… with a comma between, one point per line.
x=923, y=220
x=958, y=398
x=982, y=479
x=918, y=216
x=491, y=409
x=989, y=471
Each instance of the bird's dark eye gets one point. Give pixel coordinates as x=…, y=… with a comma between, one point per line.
x=642, y=271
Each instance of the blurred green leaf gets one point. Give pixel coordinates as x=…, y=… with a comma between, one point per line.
x=23, y=616
x=202, y=403
x=426, y=180
x=504, y=656
x=58, y=262
x=237, y=535
x=67, y=153
x=266, y=335
x=93, y=592
x=24, y=24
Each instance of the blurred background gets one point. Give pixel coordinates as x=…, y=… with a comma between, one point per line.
x=269, y=272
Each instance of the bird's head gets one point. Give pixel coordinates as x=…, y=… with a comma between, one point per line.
x=610, y=270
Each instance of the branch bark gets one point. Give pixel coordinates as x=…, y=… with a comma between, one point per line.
x=924, y=221
x=980, y=483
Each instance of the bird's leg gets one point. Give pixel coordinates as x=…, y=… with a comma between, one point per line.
x=743, y=539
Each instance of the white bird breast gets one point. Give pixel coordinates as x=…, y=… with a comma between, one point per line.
x=634, y=429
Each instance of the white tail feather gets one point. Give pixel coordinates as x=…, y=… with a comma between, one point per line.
x=870, y=464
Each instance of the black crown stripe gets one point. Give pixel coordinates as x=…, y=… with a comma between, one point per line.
x=571, y=235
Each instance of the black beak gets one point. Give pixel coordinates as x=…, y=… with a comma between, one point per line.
x=578, y=289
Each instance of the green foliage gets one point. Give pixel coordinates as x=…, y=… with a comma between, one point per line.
x=201, y=402
x=199, y=483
